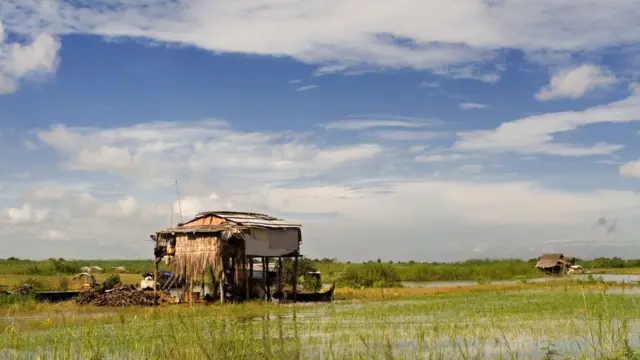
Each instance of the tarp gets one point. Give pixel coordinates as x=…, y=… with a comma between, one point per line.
x=254, y=247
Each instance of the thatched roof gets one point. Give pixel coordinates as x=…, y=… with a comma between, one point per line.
x=550, y=260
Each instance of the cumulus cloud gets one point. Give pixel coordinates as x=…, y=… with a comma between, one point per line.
x=576, y=82
x=159, y=152
x=630, y=169
x=456, y=40
x=334, y=190
x=26, y=215
x=36, y=57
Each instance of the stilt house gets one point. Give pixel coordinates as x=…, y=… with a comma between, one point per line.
x=554, y=263
x=224, y=244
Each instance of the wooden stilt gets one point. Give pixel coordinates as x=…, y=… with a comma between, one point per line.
x=223, y=279
x=266, y=271
x=282, y=299
x=264, y=277
x=295, y=277
x=191, y=291
x=233, y=268
x=221, y=292
x=250, y=273
x=202, y=292
x=155, y=271
x=246, y=278
x=214, y=283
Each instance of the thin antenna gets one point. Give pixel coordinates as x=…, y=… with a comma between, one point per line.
x=173, y=208
x=179, y=204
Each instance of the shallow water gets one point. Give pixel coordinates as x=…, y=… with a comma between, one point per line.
x=487, y=326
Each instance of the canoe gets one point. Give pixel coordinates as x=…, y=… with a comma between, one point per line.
x=308, y=297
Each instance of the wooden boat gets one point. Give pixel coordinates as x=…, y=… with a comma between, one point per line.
x=308, y=297
x=55, y=296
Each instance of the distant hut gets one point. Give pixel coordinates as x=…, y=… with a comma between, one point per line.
x=554, y=263
x=224, y=244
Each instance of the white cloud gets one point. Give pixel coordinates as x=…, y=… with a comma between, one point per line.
x=122, y=208
x=334, y=190
x=576, y=82
x=417, y=148
x=534, y=134
x=438, y=158
x=349, y=153
x=364, y=124
x=630, y=170
x=26, y=214
x=456, y=39
x=471, y=105
x=407, y=135
x=47, y=193
x=157, y=153
x=471, y=168
x=295, y=81
x=306, y=87
x=18, y=61
x=469, y=72
x=54, y=235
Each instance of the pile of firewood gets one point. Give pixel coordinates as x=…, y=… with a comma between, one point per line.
x=121, y=295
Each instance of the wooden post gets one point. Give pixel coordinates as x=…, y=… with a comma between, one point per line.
x=295, y=277
x=202, y=292
x=282, y=298
x=250, y=273
x=155, y=270
x=191, y=290
x=214, y=283
x=266, y=271
x=222, y=281
x=233, y=268
x=246, y=277
x=264, y=277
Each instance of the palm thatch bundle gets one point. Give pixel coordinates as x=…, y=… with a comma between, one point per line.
x=193, y=256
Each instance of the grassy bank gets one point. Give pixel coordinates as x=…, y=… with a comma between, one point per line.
x=370, y=274
x=489, y=322
x=476, y=270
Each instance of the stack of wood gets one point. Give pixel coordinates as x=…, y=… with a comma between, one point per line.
x=122, y=295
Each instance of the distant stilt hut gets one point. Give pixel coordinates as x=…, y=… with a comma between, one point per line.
x=554, y=263
x=224, y=245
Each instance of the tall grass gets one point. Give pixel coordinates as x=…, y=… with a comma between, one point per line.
x=472, y=270
x=559, y=325
x=62, y=266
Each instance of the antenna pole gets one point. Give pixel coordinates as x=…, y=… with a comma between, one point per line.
x=179, y=204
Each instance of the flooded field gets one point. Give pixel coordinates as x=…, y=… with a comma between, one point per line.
x=604, y=277
x=496, y=325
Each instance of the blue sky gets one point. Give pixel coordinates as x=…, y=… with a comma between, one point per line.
x=418, y=131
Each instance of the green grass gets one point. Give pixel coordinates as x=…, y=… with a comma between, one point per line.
x=62, y=266
x=578, y=321
x=474, y=270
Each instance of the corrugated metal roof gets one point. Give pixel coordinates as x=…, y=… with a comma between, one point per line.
x=250, y=219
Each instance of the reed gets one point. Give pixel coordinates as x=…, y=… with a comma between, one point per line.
x=581, y=323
